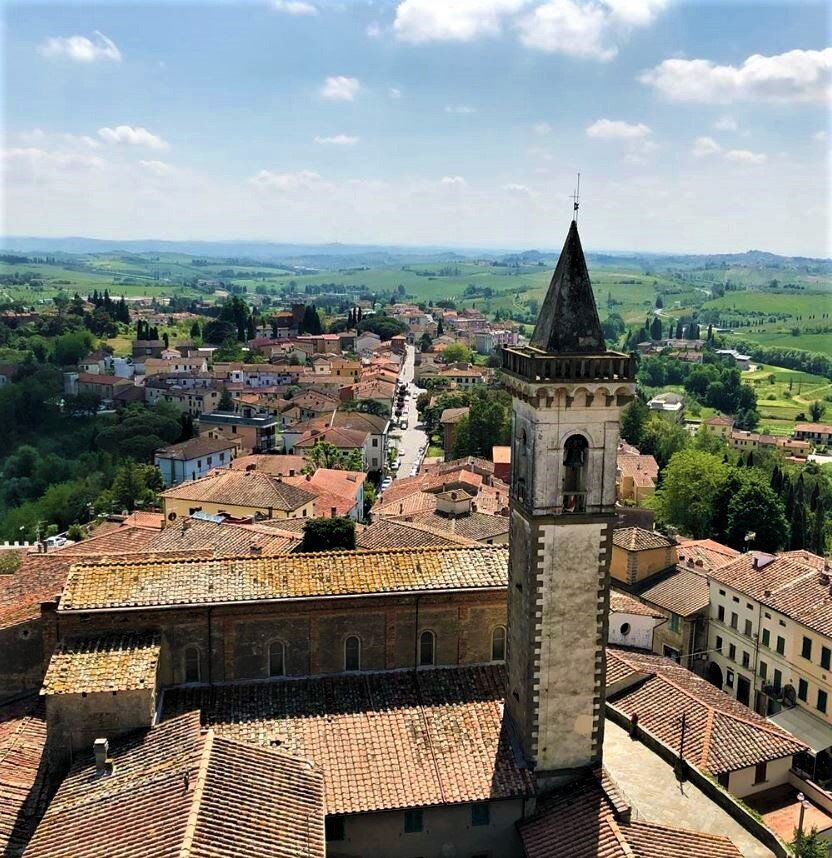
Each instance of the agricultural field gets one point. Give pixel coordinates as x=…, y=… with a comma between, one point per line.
x=784, y=394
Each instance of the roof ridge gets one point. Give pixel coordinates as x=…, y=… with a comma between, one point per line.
x=706, y=739
x=618, y=834
x=196, y=803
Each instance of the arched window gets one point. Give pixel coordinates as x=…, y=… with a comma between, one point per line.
x=498, y=644
x=574, y=473
x=277, y=658
x=192, y=665
x=352, y=653
x=427, y=648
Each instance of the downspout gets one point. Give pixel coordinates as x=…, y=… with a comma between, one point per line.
x=210, y=648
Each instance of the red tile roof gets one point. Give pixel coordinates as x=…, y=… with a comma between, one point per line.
x=639, y=539
x=175, y=791
x=591, y=819
x=242, y=488
x=710, y=552
x=39, y=578
x=622, y=603
x=683, y=592
x=382, y=740
x=722, y=734
x=759, y=575
x=154, y=582
x=23, y=785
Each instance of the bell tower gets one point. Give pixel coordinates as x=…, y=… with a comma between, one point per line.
x=567, y=393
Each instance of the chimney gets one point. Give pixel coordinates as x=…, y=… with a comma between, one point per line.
x=333, y=511
x=754, y=562
x=100, y=749
x=823, y=578
x=256, y=550
x=291, y=472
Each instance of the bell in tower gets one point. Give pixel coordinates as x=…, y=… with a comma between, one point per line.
x=567, y=392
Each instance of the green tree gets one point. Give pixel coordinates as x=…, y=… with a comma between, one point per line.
x=425, y=342
x=383, y=325
x=226, y=402
x=457, y=353
x=485, y=426
x=708, y=441
x=816, y=410
x=691, y=483
x=633, y=421
x=217, y=331
x=196, y=331
x=809, y=844
x=755, y=508
x=70, y=348
x=662, y=438
x=329, y=534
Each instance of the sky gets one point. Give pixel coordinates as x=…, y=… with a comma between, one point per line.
x=697, y=127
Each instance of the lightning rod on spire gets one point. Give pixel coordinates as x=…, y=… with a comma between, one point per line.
x=576, y=200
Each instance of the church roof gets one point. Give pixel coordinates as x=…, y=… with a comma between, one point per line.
x=568, y=322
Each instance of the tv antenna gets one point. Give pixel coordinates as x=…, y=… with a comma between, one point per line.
x=576, y=199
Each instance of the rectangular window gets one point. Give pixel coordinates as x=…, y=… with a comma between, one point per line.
x=334, y=826
x=802, y=689
x=806, y=648
x=778, y=679
x=821, y=700
x=825, y=655
x=781, y=645
x=735, y=599
x=734, y=620
x=749, y=606
x=723, y=778
x=760, y=773
x=480, y=813
x=722, y=592
x=763, y=669
x=732, y=652
x=413, y=821
x=729, y=678
x=720, y=613
x=675, y=622
x=746, y=659
x=718, y=644
x=767, y=615
x=766, y=638
x=747, y=631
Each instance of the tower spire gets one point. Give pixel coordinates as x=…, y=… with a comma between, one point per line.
x=576, y=200
x=568, y=322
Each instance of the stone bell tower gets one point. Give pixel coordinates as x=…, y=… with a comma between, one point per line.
x=567, y=393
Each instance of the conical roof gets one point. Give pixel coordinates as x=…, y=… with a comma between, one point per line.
x=568, y=322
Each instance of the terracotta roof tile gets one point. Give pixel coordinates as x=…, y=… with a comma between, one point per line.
x=23, y=784
x=397, y=533
x=176, y=791
x=705, y=553
x=478, y=526
x=242, y=488
x=589, y=819
x=722, y=734
x=639, y=539
x=382, y=740
x=759, y=575
x=114, y=662
x=39, y=578
x=278, y=466
x=683, y=592
x=195, y=447
x=622, y=603
x=155, y=582
x=208, y=538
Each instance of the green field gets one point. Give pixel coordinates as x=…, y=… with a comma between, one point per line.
x=783, y=394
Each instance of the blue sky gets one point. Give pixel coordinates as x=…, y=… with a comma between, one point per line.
x=698, y=127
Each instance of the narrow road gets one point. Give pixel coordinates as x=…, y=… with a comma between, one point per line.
x=413, y=441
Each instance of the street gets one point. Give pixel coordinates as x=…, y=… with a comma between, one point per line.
x=413, y=441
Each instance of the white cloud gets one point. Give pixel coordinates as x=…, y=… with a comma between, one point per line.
x=616, y=129
x=157, y=168
x=337, y=140
x=80, y=49
x=132, y=136
x=744, y=156
x=394, y=93
x=451, y=20
x=542, y=128
x=32, y=160
x=819, y=135
x=790, y=77
x=726, y=123
x=303, y=180
x=453, y=182
x=582, y=28
x=340, y=88
x=517, y=189
x=374, y=30
x=704, y=146
x=460, y=109
x=294, y=7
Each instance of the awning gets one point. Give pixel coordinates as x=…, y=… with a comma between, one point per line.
x=804, y=726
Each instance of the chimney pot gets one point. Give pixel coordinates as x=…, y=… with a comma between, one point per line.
x=291, y=472
x=101, y=748
x=334, y=511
